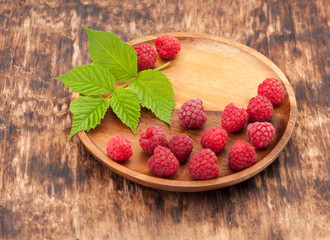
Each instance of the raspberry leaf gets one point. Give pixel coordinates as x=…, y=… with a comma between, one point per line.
x=87, y=112
x=89, y=80
x=126, y=106
x=116, y=60
x=106, y=49
x=155, y=93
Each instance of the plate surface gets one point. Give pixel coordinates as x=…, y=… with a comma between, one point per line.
x=218, y=71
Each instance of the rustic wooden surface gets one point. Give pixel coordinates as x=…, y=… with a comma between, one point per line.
x=51, y=188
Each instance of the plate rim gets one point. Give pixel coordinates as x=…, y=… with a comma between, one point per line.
x=202, y=185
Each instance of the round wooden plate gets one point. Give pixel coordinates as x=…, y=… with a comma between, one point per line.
x=218, y=71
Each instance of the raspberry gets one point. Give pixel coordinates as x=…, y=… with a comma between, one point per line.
x=260, y=134
x=146, y=56
x=163, y=163
x=234, y=118
x=214, y=139
x=191, y=114
x=260, y=109
x=167, y=46
x=203, y=165
x=241, y=155
x=272, y=88
x=119, y=149
x=181, y=146
x=153, y=137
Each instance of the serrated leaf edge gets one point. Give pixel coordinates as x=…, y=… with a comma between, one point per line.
x=167, y=101
x=114, y=35
x=97, y=122
x=129, y=106
x=106, y=90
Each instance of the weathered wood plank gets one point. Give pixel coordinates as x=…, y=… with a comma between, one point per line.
x=53, y=188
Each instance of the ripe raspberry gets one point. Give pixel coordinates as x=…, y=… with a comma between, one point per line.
x=260, y=134
x=163, y=162
x=203, y=165
x=119, y=149
x=272, y=88
x=167, y=46
x=146, y=56
x=181, y=146
x=241, y=155
x=214, y=139
x=191, y=114
x=260, y=109
x=234, y=118
x=153, y=137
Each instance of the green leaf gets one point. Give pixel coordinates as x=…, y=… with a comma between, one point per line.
x=126, y=106
x=155, y=93
x=89, y=80
x=87, y=113
x=107, y=50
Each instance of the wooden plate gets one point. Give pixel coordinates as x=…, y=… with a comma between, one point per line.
x=218, y=71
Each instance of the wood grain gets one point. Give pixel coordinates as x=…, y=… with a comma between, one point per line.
x=51, y=188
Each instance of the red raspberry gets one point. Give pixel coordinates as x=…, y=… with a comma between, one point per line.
x=260, y=134
x=153, y=137
x=146, y=56
x=214, y=139
x=167, y=46
x=191, y=114
x=241, y=155
x=234, y=118
x=203, y=165
x=260, y=109
x=181, y=146
x=119, y=149
x=272, y=88
x=163, y=162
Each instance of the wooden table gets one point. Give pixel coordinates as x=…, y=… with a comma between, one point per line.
x=52, y=188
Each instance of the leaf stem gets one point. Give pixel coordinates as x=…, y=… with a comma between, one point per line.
x=108, y=97
x=125, y=85
x=163, y=66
